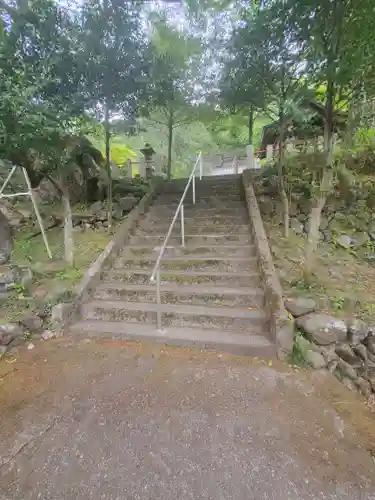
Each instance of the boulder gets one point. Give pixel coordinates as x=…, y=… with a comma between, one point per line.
x=360, y=239
x=315, y=359
x=300, y=306
x=327, y=235
x=357, y=330
x=361, y=351
x=32, y=323
x=348, y=383
x=11, y=214
x=6, y=239
x=47, y=335
x=363, y=386
x=323, y=223
x=127, y=203
x=13, y=275
x=5, y=338
x=369, y=342
x=12, y=328
x=9, y=332
x=296, y=226
x=322, y=328
x=368, y=374
x=343, y=369
x=96, y=207
x=344, y=241
x=347, y=354
x=329, y=353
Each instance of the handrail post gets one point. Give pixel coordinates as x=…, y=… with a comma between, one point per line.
x=235, y=165
x=193, y=181
x=200, y=167
x=158, y=301
x=182, y=226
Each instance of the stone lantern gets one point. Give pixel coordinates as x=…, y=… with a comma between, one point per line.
x=148, y=151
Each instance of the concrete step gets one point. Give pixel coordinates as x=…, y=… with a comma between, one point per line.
x=200, y=198
x=237, y=229
x=199, y=220
x=142, y=276
x=252, y=320
x=191, y=263
x=188, y=250
x=211, y=296
x=191, y=239
x=203, y=338
x=216, y=203
x=163, y=212
x=207, y=180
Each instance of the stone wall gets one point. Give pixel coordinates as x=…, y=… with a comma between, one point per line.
x=345, y=348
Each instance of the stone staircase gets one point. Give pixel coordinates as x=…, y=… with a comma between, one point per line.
x=210, y=289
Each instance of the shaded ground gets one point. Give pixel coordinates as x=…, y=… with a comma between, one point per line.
x=118, y=420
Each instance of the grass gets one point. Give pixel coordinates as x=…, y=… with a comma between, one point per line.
x=342, y=284
x=53, y=280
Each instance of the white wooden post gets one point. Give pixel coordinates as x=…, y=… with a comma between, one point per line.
x=250, y=156
x=269, y=152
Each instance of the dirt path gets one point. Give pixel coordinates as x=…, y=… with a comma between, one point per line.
x=117, y=420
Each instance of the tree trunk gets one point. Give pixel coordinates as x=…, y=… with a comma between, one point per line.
x=251, y=125
x=170, y=141
x=68, y=228
x=325, y=184
x=281, y=162
x=107, y=133
x=313, y=235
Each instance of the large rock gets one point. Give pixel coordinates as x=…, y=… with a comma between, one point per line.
x=344, y=241
x=347, y=354
x=357, y=330
x=368, y=373
x=363, y=386
x=370, y=344
x=13, y=216
x=361, y=351
x=315, y=359
x=343, y=369
x=32, y=323
x=296, y=226
x=300, y=306
x=360, y=239
x=322, y=328
x=12, y=329
x=127, y=203
x=6, y=239
x=13, y=275
x=96, y=207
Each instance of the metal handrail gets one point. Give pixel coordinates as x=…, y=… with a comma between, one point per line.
x=179, y=210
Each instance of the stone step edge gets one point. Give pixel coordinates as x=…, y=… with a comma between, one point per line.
x=187, y=258
x=192, y=274
x=252, y=313
x=217, y=340
x=248, y=246
x=181, y=289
